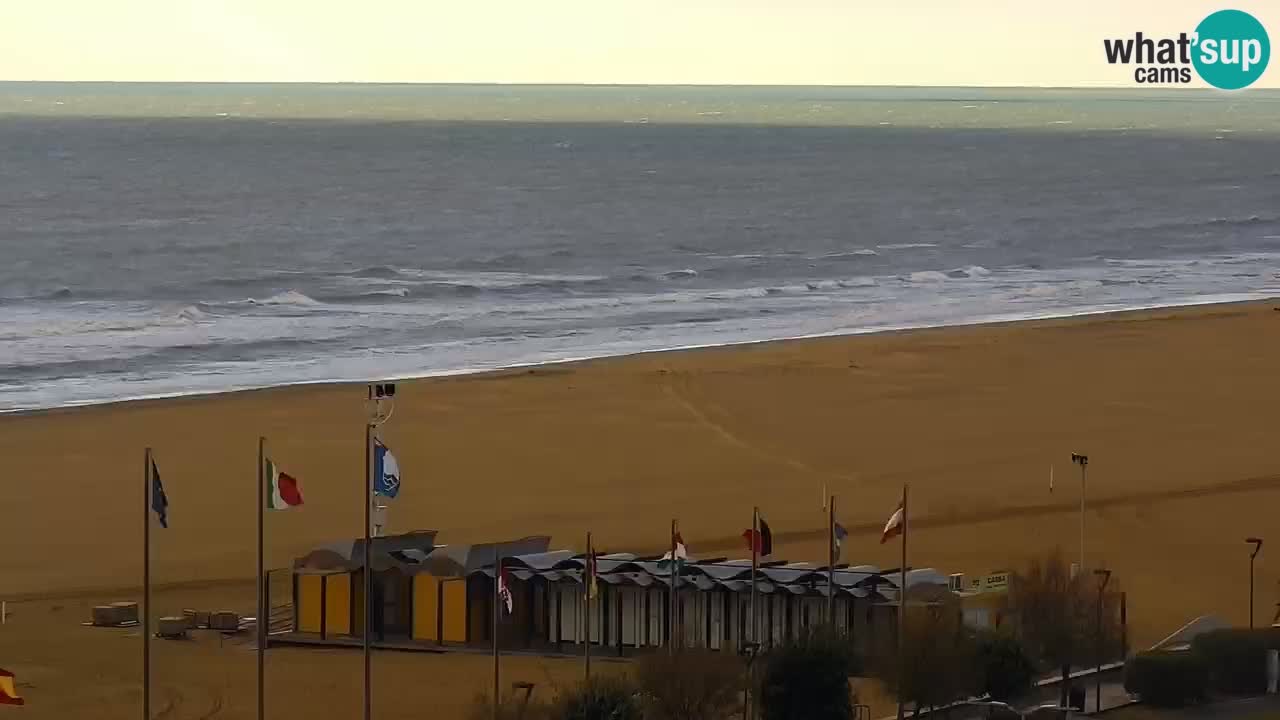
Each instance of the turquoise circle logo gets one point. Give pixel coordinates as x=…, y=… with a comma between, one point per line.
x=1232, y=49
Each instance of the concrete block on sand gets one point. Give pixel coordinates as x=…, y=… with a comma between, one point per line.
x=106, y=615
x=224, y=620
x=128, y=611
x=172, y=627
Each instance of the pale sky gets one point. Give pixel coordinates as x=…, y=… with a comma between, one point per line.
x=829, y=42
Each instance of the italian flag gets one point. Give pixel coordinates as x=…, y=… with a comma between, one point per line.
x=283, y=491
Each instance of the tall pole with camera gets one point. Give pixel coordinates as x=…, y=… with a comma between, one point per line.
x=1083, y=462
x=380, y=404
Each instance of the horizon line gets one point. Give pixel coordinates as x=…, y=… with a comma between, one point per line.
x=380, y=83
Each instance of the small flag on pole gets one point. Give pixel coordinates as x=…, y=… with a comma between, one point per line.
x=893, y=528
x=8, y=690
x=285, y=492
x=839, y=534
x=504, y=590
x=760, y=542
x=386, y=471
x=681, y=553
x=159, y=502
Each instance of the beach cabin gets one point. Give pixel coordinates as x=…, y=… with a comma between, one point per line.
x=420, y=590
x=432, y=595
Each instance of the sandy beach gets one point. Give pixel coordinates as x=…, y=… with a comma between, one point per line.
x=1174, y=407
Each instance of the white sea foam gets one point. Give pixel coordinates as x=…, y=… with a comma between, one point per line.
x=288, y=297
x=927, y=276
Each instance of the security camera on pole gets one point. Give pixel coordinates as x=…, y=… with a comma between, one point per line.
x=1083, y=461
x=380, y=404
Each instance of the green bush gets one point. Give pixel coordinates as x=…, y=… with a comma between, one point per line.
x=513, y=707
x=691, y=685
x=1167, y=679
x=1005, y=668
x=808, y=678
x=1237, y=658
x=603, y=698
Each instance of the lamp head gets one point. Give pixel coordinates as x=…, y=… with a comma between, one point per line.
x=1256, y=542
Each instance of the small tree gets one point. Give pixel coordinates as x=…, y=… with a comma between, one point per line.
x=1057, y=615
x=1004, y=666
x=935, y=665
x=808, y=678
x=691, y=685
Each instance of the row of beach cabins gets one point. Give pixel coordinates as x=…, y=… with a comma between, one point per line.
x=429, y=596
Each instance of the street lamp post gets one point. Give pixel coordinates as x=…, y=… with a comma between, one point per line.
x=1083, y=461
x=1104, y=576
x=1257, y=548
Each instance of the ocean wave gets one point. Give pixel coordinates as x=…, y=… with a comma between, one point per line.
x=382, y=272
x=193, y=314
x=927, y=276
x=973, y=271
x=680, y=274
x=906, y=246
x=288, y=297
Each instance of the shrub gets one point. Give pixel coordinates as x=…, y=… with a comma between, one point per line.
x=1005, y=669
x=513, y=708
x=1237, y=658
x=691, y=685
x=935, y=664
x=603, y=698
x=808, y=678
x=1167, y=679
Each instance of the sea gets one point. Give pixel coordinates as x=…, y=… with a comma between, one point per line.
x=170, y=239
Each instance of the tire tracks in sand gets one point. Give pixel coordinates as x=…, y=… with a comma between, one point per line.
x=732, y=438
x=953, y=519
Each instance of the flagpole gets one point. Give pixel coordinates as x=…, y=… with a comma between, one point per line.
x=262, y=592
x=497, y=598
x=367, y=496
x=831, y=563
x=146, y=585
x=902, y=603
x=671, y=595
x=755, y=562
x=586, y=587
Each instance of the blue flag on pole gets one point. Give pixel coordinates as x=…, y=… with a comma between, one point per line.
x=386, y=471
x=839, y=534
x=159, y=503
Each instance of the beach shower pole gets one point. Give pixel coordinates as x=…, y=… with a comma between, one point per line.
x=262, y=588
x=146, y=585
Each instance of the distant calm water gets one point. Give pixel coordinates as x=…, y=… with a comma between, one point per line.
x=167, y=239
